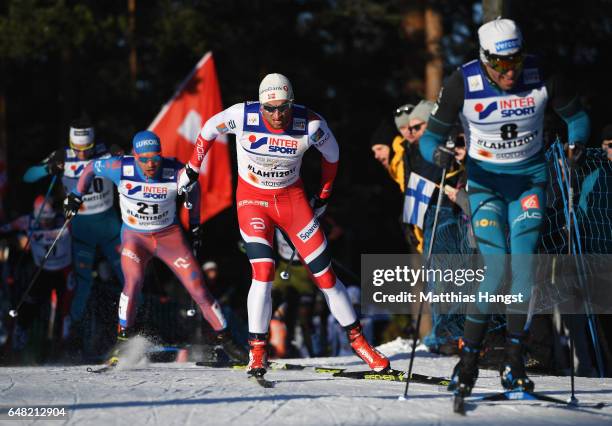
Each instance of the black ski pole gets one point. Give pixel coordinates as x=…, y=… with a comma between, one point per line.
x=14, y=312
x=285, y=274
x=420, y=314
x=570, y=201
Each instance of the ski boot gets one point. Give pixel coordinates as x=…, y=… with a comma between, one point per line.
x=232, y=349
x=258, y=355
x=123, y=335
x=465, y=372
x=464, y=377
x=375, y=360
x=512, y=370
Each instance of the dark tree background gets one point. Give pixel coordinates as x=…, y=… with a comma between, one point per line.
x=353, y=61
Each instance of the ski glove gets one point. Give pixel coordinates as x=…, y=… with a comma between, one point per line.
x=318, y=205
x=443, y=157
x=578, y=154
x=72, y=204
x=187, y=179
x=54, y=163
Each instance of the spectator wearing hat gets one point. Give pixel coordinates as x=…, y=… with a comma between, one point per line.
x=381, y=141
x=407, y=158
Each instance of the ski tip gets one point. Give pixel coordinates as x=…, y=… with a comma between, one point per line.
x=262, y=382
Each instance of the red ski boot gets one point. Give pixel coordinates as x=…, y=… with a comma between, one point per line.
x=258, y=355
x=375, y=360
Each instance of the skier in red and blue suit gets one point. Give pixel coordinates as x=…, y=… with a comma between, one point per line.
x=147, y=185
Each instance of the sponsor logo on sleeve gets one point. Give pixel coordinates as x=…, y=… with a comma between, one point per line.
x=222, y=128
x=253, y=119
x=530, y=202
x=231, y=124
x=475, y=83
x=318, y=135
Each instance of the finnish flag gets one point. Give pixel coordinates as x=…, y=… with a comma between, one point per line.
x=417, y=199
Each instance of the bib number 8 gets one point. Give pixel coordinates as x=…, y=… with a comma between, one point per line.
x=508, y=131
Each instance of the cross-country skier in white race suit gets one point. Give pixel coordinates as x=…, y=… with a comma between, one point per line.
x=271, y=138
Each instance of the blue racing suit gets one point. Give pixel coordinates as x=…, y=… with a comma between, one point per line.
x=506, y=167
x=96, y=225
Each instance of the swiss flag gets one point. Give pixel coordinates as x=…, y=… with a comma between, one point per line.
x=178, y=124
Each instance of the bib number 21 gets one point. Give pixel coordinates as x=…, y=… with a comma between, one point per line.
x=144, y=208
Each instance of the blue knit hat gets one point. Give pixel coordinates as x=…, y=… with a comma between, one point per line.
x=145, y=142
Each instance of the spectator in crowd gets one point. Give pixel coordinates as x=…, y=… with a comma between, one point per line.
x=43, y=226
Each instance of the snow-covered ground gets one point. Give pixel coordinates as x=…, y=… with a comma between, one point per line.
x=183, y=394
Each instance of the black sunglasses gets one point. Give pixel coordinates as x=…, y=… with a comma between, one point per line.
x=406, y=109
x=416, y=127
x=280, y=108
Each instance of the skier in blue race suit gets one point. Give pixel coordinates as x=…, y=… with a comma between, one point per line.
x=501, y=99
x=147, y=185
x=97, y=225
